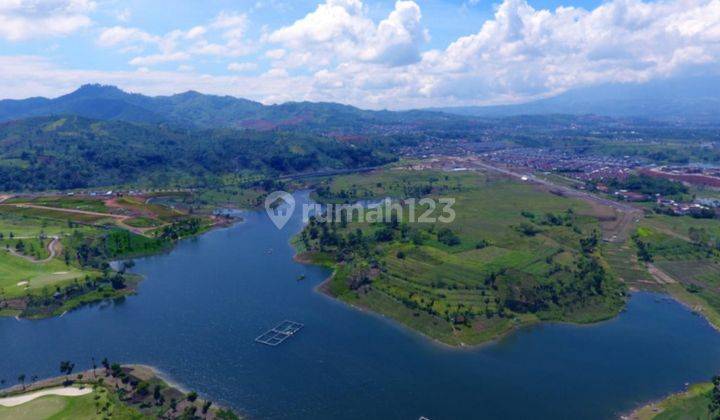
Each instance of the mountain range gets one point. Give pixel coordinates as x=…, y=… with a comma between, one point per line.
x=692, y=100
x=195, y=110
x=688, y=99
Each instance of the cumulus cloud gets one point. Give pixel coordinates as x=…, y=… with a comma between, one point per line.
x=181, y=45
x=117, y=35
x=336, y=52
x=25, y=19
x=526, y=52
x=339, y=30
x=520, y=54
x=398, y=38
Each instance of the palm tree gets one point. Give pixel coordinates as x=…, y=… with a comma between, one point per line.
x=66, y=367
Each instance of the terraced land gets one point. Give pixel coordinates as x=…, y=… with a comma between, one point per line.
x=623, y=262
x=516, y=258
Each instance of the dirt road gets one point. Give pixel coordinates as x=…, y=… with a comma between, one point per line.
x=659, y=275
x=120, y=219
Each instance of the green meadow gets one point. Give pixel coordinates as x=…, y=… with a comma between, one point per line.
x=99, y=404
x=19, y=276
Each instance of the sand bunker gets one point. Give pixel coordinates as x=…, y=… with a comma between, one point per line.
x=22, y=399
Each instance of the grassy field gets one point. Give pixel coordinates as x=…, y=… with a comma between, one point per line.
x=680, y=226
x=623, y=261
x=143, y=222
x=99, y=404
x=19, y=276
x=54, y=215
x=23, y=226
x=512, y=246
x=692, y=404
x=64, y=202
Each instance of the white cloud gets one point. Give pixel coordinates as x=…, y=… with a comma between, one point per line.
x=340, y=31
x=520, y=54
x=195, y=32
x=242, y=67
x=275, y=54
x=24, y=76
x=230, y=20
x=117, y=35
x=398, y=38
x=25, y=19
x=526, y=52
x=181, y=45
x=150, y=60
x=124, y=15
x=338, y=53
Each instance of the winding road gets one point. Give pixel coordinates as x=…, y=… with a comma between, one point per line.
x=54, y=248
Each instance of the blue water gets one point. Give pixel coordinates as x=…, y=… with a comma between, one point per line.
x=201, y=306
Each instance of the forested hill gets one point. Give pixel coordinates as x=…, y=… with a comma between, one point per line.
x=196, y=110
x=73, y=152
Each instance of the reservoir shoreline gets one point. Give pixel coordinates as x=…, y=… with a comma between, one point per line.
x=209, y=298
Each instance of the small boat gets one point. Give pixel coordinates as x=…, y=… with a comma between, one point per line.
x=301, y=277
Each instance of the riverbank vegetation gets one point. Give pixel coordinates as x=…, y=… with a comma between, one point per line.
x=108, y=391
x=514, y=255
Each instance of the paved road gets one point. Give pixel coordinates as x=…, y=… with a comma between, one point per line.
x=53, y=250
x=329, y=173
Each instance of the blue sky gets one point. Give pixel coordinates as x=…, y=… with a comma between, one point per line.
x=377, y=54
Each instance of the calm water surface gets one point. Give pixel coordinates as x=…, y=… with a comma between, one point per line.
x=202, y=305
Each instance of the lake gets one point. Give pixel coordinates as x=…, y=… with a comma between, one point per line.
x=202, y=305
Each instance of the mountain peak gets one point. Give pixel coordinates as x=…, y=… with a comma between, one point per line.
x=97, y=90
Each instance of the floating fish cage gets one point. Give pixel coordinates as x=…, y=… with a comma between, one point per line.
x=279, y=333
